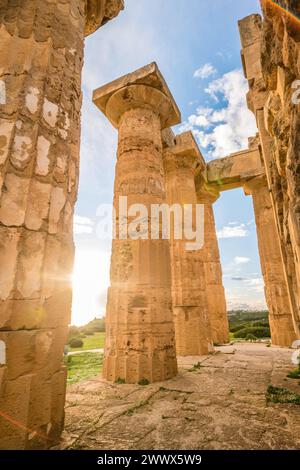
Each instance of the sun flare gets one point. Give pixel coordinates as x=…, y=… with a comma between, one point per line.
x=90, y=283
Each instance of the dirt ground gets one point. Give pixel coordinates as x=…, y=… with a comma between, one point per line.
x=220, y=404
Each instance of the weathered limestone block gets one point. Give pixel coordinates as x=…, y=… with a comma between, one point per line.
x=189, y=294
x=281, y=320
x=140, y=339
x=42, y=84
x=99, y=12
x=271, y=99
x=230, y=172
x=14, y=406
x=32, y=410
x=216, y=301
x=41, y=58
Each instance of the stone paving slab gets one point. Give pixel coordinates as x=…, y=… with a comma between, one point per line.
x=221, y=405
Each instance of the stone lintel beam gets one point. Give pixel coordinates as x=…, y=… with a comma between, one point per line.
x=99, y=12
x=145, y=87
x=233, y=171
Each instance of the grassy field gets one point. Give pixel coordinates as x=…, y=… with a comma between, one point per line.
x=83, y=366
x=96, y=341
x=248, y=326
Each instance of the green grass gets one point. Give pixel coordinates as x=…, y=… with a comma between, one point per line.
x=96, y=341
x=282, y=395
x=83, y=366
x=195, y=368
x=294, y=374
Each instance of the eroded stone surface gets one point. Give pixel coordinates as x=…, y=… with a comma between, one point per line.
x=140, y=339
x=219, y=406
x=276, y=291
x=230, y=172
x=189, y=289
x=216, y=302
x=271, y=76
x=41, y=60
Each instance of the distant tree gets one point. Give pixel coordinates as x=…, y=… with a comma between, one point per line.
x=74, y=332
x=257, y=331
x=97, y=325
x=76, y=343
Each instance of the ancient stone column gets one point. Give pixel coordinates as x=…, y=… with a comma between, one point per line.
x=140, y=339
x=281, y=322
x=40, y=81
x=270, y=59
x=189, y=290
x=216, y=300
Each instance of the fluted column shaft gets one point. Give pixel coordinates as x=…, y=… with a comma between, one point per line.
x=192, y=327
x=140, y=340
x=217, y=307
x=216, y=300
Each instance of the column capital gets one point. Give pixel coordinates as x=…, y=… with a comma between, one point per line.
x=255, y=183
x=99, y=12
x=144, y=88
x=183, y=153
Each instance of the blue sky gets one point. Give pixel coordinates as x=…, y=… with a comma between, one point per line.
x=197, y=48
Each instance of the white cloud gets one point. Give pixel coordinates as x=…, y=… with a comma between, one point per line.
x=207, y=70
x=229, y=231
x=256, y=283
x=82, y=225
x=199, y=120
x=241, y=260
x=248, y=296
x=224, y=130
